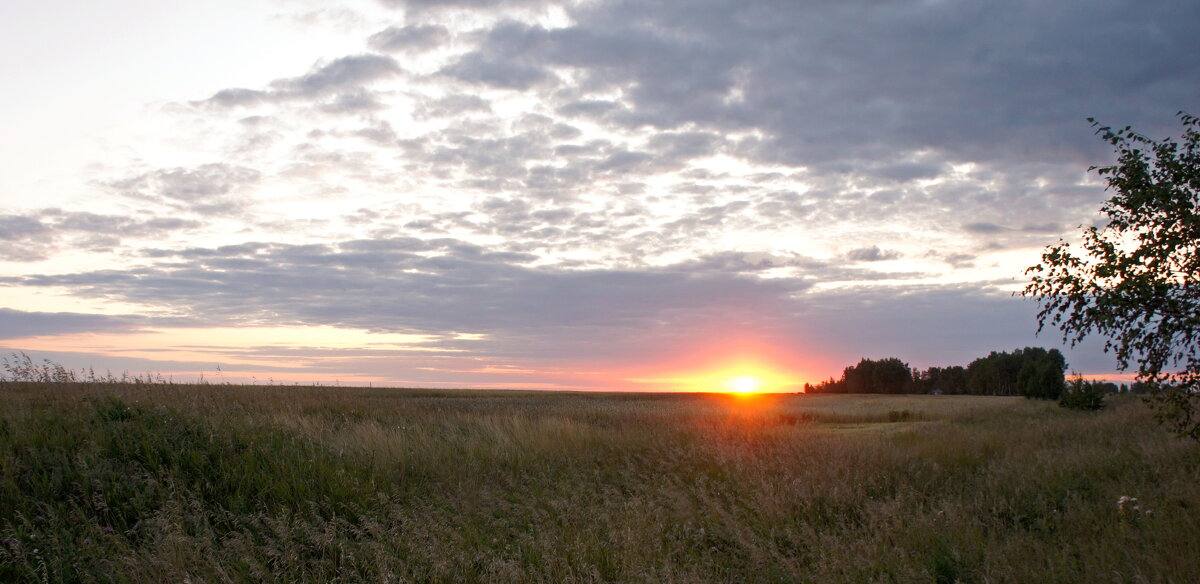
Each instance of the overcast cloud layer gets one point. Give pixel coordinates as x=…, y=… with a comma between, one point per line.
x=544, y=189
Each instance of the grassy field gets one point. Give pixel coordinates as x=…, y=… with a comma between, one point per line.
x=169, y=483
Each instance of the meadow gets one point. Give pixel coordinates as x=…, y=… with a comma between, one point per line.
x=112, y=482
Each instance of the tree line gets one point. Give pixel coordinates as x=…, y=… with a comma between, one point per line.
x=1031, y=372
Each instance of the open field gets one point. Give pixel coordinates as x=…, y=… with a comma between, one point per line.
x=157, y=483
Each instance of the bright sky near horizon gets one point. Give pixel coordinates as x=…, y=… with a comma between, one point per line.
x=556, y=194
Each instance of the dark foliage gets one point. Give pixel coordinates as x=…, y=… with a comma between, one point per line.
x=1032, y=372
x=1083, y=395
x=1136, y=279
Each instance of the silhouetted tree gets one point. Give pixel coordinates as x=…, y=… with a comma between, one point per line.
x=890, y=375
x=1032, y=372
x=1082, y=395
x=1041, y=374
x=1137, y=280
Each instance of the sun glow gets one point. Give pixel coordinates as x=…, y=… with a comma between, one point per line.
x=739, y=378
x=744, y=384
x=724, y=362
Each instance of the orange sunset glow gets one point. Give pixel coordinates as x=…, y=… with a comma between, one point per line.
x=747, y=370
x=744, y=384
x=725, y=360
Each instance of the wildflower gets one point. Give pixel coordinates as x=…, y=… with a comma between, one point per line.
x=106, y=529
x=1127, y=505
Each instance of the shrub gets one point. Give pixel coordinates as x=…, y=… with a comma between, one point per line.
x=1082, y=395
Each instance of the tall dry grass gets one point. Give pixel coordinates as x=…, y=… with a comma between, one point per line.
x=108, y=482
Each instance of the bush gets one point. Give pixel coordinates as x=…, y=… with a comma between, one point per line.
x=1082, y=395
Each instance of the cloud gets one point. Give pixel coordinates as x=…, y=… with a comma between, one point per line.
x=423, y=5
x=956, y=260
x=872, y=254
x=16, y=227
x=442, y=287
x=236, y=96
x=984, y=227
x=907, y=171
x=913, y=122
x=414, y=37
x=346, y=74
x=1042, y=228
x=339, y=73
x=918, y=88
x=40, y=234
x=335, y=16
x=453, y=106
x=423, y=286
x=353, y=102
x=594, y=108
x=683, y=146
x=502, y=73
x=206, y=189
x=16, y=324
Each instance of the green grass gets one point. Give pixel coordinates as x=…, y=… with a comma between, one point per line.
x=169, y=483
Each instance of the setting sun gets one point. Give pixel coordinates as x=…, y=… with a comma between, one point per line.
x=738, y=366
x=744, y=384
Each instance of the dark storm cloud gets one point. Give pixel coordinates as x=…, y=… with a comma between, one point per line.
x=345, y=74
x=413, y=37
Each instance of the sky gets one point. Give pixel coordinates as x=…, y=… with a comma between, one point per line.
x=557, y=194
